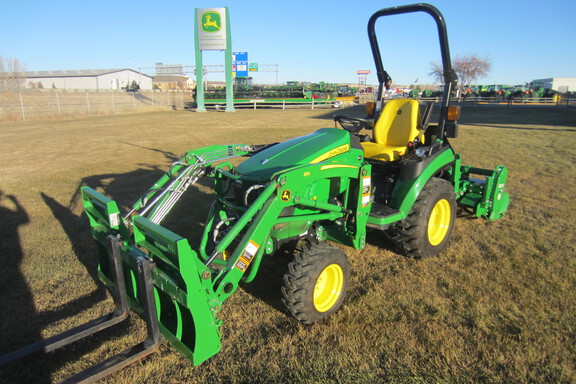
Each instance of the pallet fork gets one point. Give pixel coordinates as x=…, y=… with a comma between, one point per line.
x=123, y=359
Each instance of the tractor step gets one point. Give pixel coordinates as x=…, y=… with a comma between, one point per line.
x=381, y=215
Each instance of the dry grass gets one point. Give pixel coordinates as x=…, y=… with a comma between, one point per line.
x=497, y=307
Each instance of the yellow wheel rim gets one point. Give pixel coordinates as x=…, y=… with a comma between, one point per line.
x=439, y=222
x=328, y=287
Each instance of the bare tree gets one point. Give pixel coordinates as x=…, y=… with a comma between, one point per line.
x=11, y=74
x=468, y=68
x=436, y=72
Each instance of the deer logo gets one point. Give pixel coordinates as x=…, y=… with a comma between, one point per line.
x=211, y=22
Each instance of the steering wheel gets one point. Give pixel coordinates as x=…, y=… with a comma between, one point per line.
x=353, y=124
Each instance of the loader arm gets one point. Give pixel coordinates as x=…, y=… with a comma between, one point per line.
x=190, y=287
x=159, y=200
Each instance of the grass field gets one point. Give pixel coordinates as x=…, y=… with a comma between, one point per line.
x=498, y=306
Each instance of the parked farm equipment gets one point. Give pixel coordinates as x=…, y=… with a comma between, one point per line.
x=330, y=185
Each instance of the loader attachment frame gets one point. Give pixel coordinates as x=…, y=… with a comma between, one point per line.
x=183, y=316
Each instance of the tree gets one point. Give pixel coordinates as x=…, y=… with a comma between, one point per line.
x=132, y=87
x=11, y=74
x=468, y=68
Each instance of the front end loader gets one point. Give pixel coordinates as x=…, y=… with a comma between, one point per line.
x=402, y=179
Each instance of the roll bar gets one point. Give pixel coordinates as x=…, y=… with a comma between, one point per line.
x=384, y=80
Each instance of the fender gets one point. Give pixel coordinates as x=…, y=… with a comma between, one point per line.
x=414, y=177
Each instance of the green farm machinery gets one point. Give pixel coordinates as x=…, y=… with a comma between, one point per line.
x=403, y=181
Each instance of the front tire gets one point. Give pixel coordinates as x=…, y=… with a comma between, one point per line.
x=429, y=225
x=315, y=283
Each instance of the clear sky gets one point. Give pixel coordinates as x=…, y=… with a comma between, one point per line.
x=309, y=40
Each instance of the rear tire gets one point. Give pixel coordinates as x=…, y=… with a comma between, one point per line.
x=428, y=228
x=315, y=283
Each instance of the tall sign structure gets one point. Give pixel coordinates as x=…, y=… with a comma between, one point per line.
x=212, y=33
x=362, y=73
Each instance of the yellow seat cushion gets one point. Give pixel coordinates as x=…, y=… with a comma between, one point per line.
x=383, y=152
x=395, y=128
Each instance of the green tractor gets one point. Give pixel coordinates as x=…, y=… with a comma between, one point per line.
x=303, y=195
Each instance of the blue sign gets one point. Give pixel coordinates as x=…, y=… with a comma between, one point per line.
x=240, y=64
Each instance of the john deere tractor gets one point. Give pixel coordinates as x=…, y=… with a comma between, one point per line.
x=393, y=172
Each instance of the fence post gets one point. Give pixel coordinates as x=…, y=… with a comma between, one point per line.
x=113, y=104
x=88, y=103
x=312, y=103
x=22, y=107
x=133, y=103
x=58, y=103
x=283, y=104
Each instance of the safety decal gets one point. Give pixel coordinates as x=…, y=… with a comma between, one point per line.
x=114, y=219
x=366, y=184
x=247, y=256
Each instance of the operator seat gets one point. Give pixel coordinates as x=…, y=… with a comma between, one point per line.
x=395, y=128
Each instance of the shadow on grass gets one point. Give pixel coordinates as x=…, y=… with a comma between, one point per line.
x=21, y=324
x=270, y=278
x=268, y=283
x=18, y=317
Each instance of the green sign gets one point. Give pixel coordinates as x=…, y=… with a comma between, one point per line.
x=211, y=28
x=253, y=67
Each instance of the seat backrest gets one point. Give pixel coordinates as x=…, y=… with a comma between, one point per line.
x=398, y=122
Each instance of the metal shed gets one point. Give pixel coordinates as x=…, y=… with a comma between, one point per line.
x=97, y=79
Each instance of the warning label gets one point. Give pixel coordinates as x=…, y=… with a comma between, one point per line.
x=250, y=250
x=247, y=256
x=366, y=184
x=242, y=264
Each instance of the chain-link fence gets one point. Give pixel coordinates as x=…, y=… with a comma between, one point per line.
x=48, y=104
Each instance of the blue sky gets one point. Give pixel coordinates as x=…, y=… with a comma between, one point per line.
x=309, y=40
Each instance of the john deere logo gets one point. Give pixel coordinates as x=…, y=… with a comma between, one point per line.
x=285, y=196
x=211, y=22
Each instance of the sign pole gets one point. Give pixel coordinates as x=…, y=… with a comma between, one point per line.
x=228, y=66
x=200, y=102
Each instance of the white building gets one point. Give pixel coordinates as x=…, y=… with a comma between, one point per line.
x=87, y=79
x=558, y=84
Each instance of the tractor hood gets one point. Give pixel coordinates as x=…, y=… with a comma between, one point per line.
x=324, y=144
